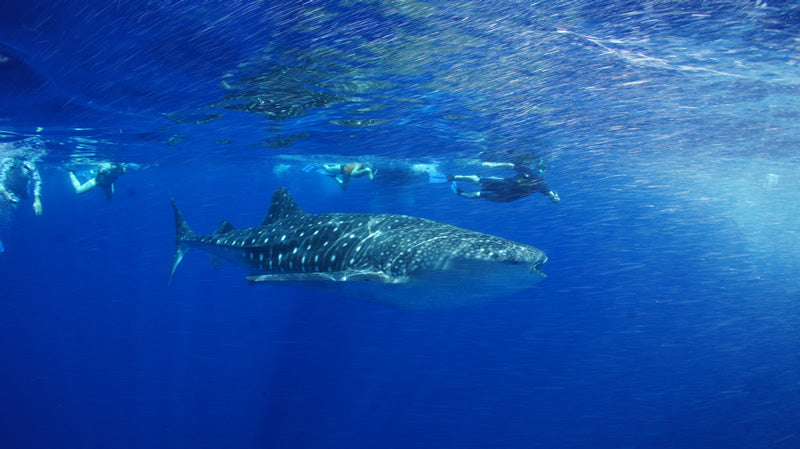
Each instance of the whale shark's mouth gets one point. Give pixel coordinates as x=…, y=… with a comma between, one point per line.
x=537, y=266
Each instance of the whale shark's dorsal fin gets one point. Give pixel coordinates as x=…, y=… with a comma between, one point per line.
x=224, y=227
x=283, y=206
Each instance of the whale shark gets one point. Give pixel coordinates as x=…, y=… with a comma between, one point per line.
x=396, y=260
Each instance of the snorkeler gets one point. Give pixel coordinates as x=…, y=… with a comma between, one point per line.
x=107, y=174
x=342, y=173
x=18, y=177
x=525, y=182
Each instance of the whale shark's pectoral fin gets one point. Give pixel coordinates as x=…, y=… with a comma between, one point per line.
x=337, y=276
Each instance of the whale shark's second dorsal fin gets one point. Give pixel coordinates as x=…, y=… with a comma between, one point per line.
x=224, y=227
x=283, y=206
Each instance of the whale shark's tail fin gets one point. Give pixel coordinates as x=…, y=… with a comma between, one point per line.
x=182, y=232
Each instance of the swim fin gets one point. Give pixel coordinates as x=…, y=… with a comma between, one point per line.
x=314, y=168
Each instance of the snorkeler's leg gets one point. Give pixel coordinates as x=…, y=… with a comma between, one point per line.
x=332, y=169
x=469, y=178
x=37, y=205
x=470, y=195
x=457, y=190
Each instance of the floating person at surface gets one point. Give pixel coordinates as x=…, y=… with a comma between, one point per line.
x=18, y=178
x=342, y=173
x=107, y=174
x=525, y=182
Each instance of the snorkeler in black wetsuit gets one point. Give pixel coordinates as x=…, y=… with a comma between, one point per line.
x=525, y=182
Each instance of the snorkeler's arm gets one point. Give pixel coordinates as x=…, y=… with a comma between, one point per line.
x=332, y=169
x=5, y=166
x=36, y=179
x=81, y=188
x=37, y=205
x=6, y=194
x=475, y=179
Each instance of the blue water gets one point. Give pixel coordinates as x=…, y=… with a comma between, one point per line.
x=670, y=317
